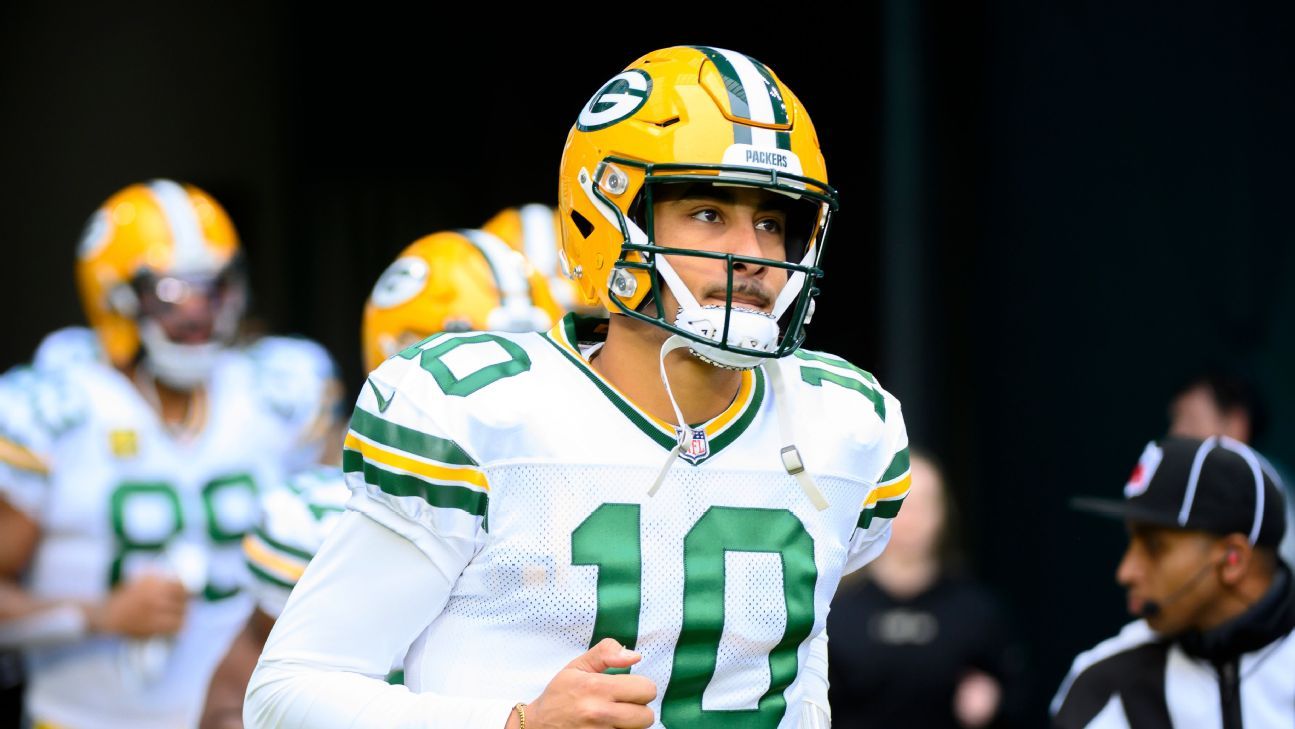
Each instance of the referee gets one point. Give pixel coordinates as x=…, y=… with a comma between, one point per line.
x=1211, y=647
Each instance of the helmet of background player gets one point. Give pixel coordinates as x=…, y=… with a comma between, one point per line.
x=692, y=115
x=159, y=265
x=534, y=230
x=456, y=281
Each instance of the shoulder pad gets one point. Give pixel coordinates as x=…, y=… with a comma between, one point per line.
x=294, y=376
x=68, y=348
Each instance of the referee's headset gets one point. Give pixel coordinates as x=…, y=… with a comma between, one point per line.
x=1152, y=608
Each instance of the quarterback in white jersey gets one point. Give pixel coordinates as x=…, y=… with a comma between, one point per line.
x=531, y=525
x=123, y=523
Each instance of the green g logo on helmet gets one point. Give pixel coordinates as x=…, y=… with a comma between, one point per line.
x=616, y=101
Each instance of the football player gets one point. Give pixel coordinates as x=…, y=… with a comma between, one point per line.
x=453, y=281
x=129, y=470
x=632, y=525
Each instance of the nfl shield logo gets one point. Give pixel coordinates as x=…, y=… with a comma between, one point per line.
x=695, y=446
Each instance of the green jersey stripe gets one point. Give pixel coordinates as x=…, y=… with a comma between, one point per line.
x=898, y=466
x=882, y=510
x=888, y=509
x=444, y=496
x=835, y=361
x=817, y=377
x=267, y=577
x=409, y=440
x=281, y=547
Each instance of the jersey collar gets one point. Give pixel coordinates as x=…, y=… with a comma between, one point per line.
x=706, y=439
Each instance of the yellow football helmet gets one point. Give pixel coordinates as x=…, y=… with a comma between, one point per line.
x=535, y=231
x=453, y=281
x=158, y=263
x=696, y=115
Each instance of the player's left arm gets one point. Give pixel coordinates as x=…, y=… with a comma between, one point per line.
x=224, y=707
x=815, y=713
x=882, y=504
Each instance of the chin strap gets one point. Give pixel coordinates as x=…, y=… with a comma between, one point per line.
x=791, y=459
x=670, y=345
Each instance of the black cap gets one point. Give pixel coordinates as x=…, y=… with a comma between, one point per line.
x=1218, y=485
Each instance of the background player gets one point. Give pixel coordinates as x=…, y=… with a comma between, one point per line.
x=127, y=481
x=453, y=281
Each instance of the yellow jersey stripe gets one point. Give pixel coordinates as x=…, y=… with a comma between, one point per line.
x=897, y=489
x=265, y=558
x=21, y=458
x=433, y=472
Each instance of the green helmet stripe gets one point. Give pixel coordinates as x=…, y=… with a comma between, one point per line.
x=736, y=93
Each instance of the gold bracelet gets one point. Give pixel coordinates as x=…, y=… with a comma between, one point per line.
x=520, y=708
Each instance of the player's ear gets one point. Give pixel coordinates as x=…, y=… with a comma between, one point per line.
x=1235, y=558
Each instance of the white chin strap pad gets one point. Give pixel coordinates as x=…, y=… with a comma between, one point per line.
x=747, y=328
x=182, y=366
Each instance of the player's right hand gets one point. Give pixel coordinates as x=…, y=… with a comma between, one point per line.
x=581, y=696
x=146, y=606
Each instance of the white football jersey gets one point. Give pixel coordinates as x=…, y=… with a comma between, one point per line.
x=511, y=453
x=295, y=518
x=116, y=493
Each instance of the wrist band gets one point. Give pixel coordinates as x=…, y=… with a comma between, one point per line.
x=520, y=708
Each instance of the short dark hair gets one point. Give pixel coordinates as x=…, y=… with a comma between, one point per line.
x=1231, y=390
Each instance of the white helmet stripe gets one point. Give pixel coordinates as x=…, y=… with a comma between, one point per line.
x=191, y=254
x=759, y=103
x=507, y=266
x=537, y=235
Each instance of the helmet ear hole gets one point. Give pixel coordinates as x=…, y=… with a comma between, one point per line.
x=582, y=224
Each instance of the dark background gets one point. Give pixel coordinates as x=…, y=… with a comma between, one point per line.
x=1052, y=212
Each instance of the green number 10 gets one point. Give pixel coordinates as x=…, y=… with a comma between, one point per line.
x=611, y=539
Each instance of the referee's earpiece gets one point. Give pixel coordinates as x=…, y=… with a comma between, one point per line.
x=1232, y=557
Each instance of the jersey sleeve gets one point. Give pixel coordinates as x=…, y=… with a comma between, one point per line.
x=34, y=408
x=409, y=470
x=297, y=379
x=872, y=532
x=364, y=599
x=295, y=518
